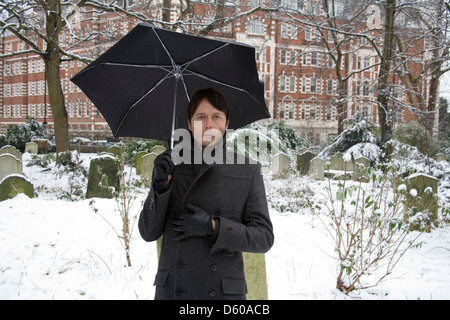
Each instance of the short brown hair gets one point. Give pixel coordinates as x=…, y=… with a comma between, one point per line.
x=213, y=96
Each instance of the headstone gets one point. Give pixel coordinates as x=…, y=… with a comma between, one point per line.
x=115, y=150
x=360, y=171
x=280, y=165
x=316, y=168
x=158, y=149
x=147, y=165
x=421, y=205
x=9, y=164
x=337, y=163
x=11, y=150
x=12, y=185
x=255, y=276
x=108, y=167
x=303, y=162
x=31, y=147
x=440, y=157
x=42, y=145
x=138, y=159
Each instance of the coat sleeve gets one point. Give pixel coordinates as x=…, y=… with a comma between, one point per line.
x=152, y=219
x=255, y=233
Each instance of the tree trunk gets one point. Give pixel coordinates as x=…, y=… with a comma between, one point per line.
x=383, y=94
x=52, y=61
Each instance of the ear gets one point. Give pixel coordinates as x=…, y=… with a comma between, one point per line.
x=189, y=126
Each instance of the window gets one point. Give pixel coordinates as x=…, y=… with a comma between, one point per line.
x=329, y=112
x=289, y=4
x=303, y=111
x=282, y=83
x=292, y=84
x=366, y=88
x=330, y=87
x=281, y=111
x=255, y=26
x=312, y=112
x=292, y=58
x=283, y=56
x=308, y=33
x=314, y=58
x=313, y=85
x=330, y=62
x=304, y=84
x=291, y=110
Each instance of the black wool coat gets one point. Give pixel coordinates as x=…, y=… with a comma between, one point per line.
x=200, y=267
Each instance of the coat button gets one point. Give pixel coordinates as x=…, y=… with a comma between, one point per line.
x=213, y=268
x=180, y=264
x=179, y=291
x=212, y=294
x=218, y=212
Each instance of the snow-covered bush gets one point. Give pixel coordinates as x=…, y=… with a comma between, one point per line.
x=19, y=135
x=261, y=142
x=69, y=164
x=366, y=222
x=360, y=134
x=415, y=135
x=134, y=146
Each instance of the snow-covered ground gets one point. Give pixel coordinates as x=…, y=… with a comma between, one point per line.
x=54, y=248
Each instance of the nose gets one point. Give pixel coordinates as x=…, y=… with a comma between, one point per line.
x=209, y=123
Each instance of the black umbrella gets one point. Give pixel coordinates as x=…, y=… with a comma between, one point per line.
x=142, y=85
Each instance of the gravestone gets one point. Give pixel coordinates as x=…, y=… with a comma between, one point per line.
x=422, y=201
x=158, y=149
x=11, y=150
x=31, y=147
x=254, y=270
x=337, y=163
x=440, y=157
x=255, y=276
x=303, y=162
x=108, y=166
x=12, y=185
x=115, y=150
x=9, y=164
x=147, y=165
x=138, y=159
x=42, y=145
x=280, y=165
x=316, y=168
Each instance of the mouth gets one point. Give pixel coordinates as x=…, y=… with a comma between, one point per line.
x=208, y=137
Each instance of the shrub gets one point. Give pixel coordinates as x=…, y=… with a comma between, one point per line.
x=19, y=135
x=417, y=136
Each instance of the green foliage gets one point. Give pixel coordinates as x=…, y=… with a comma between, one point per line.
x=417, y=136
x=289, y=136
x=361, y=132
x=131, y=148
x=19, y=135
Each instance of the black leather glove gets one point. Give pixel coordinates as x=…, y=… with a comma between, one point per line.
x=193, y=222
x=162, y=167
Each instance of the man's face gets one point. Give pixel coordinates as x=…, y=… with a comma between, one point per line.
x=208, y=124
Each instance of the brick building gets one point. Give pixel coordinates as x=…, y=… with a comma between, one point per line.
x=300, y=75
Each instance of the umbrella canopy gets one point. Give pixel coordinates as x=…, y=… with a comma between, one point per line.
x=142, y=85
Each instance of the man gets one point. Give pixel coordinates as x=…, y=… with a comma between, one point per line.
x=208, y=214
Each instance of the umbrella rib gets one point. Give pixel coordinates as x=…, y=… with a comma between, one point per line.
x=174, y=65
x=140, y=99
x=219, y=82
x=186, y=64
